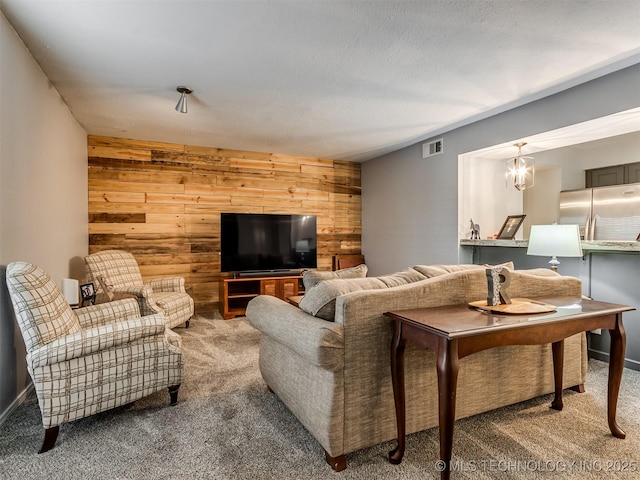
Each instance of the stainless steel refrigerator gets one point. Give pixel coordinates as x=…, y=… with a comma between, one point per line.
x=603, y=213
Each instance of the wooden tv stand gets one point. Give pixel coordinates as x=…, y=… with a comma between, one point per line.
x=235, y=293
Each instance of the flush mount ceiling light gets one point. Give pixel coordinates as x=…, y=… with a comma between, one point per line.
x=182, y=103
x=520, y=170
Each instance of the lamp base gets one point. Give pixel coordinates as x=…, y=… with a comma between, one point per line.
x=554, y=263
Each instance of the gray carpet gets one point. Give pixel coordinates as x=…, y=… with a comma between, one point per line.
x=227, y=426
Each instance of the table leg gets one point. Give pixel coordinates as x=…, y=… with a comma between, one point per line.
x=616, y=364
x=397, y=379
x=558, y=366
x=447, y=383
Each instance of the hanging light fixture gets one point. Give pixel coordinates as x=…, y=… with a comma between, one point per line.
x=182, y=103
x=520, y=170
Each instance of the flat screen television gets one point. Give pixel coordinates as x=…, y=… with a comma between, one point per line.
x=263, y=243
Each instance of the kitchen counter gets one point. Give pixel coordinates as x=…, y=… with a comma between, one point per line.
x=588, y=245
x=609, y=271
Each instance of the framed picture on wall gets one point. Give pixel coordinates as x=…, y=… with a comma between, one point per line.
x=510, y=227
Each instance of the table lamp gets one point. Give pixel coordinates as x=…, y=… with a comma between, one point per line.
x=70, y=289
x=555, y=241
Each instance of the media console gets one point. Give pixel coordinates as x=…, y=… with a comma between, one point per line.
x=235, y=293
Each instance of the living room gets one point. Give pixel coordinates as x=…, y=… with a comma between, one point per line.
x=397, y=208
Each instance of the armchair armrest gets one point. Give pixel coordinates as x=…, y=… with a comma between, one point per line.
x=137, y=290
x=103, y=313
x=94, y=339
x=174, y=284
x=144, y=294
x=317, y=340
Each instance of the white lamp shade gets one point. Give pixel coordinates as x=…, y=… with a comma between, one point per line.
x=70, y=289
x=555, y=240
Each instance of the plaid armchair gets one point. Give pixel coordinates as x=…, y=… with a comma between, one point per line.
x=119, y=270
x=92, y=359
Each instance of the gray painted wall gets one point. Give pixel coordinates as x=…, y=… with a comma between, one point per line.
x=410, y=205
x=616, y=278
x=43, y=192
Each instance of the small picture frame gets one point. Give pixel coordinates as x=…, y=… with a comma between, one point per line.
x=510, y=227
x=88, y=292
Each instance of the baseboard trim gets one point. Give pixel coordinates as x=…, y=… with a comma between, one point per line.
x=16, y=403
x=604, y=356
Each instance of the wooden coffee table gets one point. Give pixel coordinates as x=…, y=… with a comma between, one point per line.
x=456, y=331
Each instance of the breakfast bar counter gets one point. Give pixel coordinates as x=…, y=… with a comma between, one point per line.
x=609, y=271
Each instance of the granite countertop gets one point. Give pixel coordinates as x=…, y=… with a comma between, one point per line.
x=587, y=245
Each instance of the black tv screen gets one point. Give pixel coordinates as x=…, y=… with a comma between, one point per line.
x=259, y=242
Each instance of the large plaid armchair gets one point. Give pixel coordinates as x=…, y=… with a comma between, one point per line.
x=92, y=359
x=119, y=270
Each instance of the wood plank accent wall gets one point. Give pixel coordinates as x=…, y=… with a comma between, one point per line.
x=162, y=202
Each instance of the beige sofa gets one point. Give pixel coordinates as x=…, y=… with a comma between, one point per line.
x=334, y=376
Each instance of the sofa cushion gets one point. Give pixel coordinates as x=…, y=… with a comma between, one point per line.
x=320, y=300
x=402, y=278
x=313, y=277
x=435, y=270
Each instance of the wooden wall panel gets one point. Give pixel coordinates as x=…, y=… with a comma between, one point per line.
x=162, y=202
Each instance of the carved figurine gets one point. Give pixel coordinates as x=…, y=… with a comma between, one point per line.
x=475, y=230
x=498, y=279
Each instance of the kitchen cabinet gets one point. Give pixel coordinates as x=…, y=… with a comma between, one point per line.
x=613, y=175
x=632, y=173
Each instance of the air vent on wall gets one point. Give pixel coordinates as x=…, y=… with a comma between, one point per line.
x=432, y=148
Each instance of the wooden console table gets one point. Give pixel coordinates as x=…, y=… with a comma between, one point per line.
x=456, y=331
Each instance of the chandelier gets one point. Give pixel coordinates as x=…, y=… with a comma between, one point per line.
x=520, y=170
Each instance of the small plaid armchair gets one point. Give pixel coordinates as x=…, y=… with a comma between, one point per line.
x=92, y=359
x=120, y=272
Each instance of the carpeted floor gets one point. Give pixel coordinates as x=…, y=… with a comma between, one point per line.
x=227, y=426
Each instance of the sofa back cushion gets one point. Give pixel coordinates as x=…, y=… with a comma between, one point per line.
x=320, y=300
x=435, y=270
x=402, y=278
x=313, y=277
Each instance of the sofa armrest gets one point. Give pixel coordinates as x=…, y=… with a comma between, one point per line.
x=318, y=341
x=92, y=340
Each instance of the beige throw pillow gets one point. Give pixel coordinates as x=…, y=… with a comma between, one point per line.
x=320, y=300
x=402, y=278
x=435, y=270
x=313, y=277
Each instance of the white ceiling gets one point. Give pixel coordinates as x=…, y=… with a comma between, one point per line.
x=346, y=80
